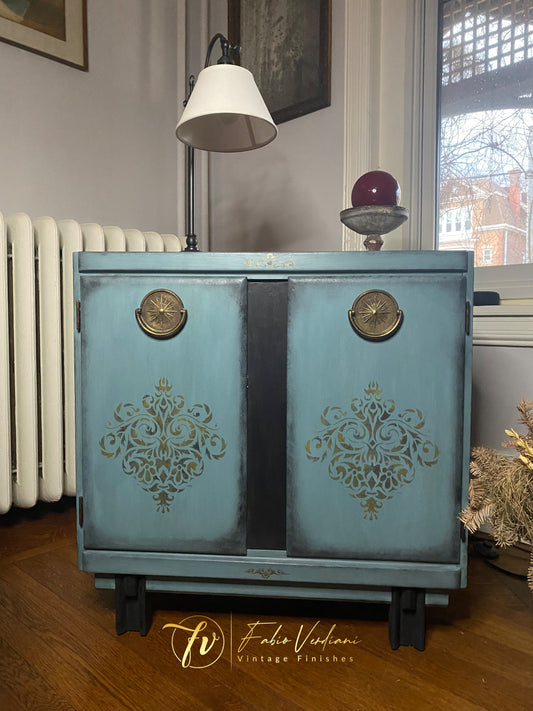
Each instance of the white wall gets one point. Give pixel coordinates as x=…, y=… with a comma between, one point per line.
x=288, y=195
x=501, y=378
x=98, y=145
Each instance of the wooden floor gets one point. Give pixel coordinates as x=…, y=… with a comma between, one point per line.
x=59, y=650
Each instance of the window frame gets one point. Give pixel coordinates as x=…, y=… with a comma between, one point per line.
x=392, y=58
x=487, y=251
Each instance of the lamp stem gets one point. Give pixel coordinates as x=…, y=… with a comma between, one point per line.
x=192, y=241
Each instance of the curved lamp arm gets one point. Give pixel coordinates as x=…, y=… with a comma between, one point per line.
x=225, y=47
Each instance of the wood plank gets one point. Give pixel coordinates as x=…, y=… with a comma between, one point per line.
x=127, y=659
x=459, y=663
x=59, y=651
x=23, y=686
x=46, y=526
x=58, y=573
x=8, y=701
x=73, y=655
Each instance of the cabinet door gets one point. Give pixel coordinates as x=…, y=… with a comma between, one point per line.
x=162, y=420
x=375, y=427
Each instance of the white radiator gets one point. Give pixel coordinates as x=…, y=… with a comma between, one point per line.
x=37, y=450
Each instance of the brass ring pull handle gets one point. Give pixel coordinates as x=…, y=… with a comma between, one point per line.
x=375, y=315
x=161, y=314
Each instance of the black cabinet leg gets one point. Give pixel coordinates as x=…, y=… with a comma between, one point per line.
x=131, y=610
x=407, y=624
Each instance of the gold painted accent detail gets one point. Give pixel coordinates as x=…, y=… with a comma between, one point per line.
x=265, y=573
x=161, y=314
x=163, y=444
x=270, y=261
x=372, y=450
x=375, y=315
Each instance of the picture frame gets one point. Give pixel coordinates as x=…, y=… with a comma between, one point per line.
x=56, y=29
x=286, y=44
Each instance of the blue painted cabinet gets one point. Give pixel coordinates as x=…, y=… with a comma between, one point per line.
x=277, y=425
x=163, y=454
x=375, y=426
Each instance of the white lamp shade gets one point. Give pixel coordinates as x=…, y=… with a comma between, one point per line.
x=225, y=112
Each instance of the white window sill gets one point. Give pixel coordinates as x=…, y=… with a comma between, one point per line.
x=506, y=325
x=514, y=281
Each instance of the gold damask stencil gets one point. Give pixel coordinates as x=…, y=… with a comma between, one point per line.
x=372, y=450
x=270, y=261
x=163, y=444
x=265, y=573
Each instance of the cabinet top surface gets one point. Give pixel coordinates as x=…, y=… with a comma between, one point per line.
x=268, y=265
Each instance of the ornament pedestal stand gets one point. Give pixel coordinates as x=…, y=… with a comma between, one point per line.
x=374, y=221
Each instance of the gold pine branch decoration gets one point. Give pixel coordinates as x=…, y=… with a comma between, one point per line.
x=501, y=489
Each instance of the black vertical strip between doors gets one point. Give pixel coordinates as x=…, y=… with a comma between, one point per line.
x=267, y=414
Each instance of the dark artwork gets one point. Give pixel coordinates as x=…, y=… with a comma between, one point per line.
x=46, y=16
x=52, y=28
x=286, y=44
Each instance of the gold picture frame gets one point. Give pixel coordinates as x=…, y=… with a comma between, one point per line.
x=286, y=44
x=53, y=28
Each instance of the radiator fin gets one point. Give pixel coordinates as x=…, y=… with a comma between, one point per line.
x=37, y=431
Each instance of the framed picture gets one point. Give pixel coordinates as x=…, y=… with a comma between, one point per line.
x=286, y=44
x=53, y=28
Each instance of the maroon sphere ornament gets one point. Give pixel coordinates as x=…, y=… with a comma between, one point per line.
x=376, y=188
x=376, y=208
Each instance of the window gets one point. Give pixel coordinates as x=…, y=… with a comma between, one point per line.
x=486, y=252
x=486, y=137
x=392, y=73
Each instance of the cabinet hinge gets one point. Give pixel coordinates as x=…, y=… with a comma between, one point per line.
x=80, y=511
x=463, y=532
x=468, y=320
x=78, y=315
